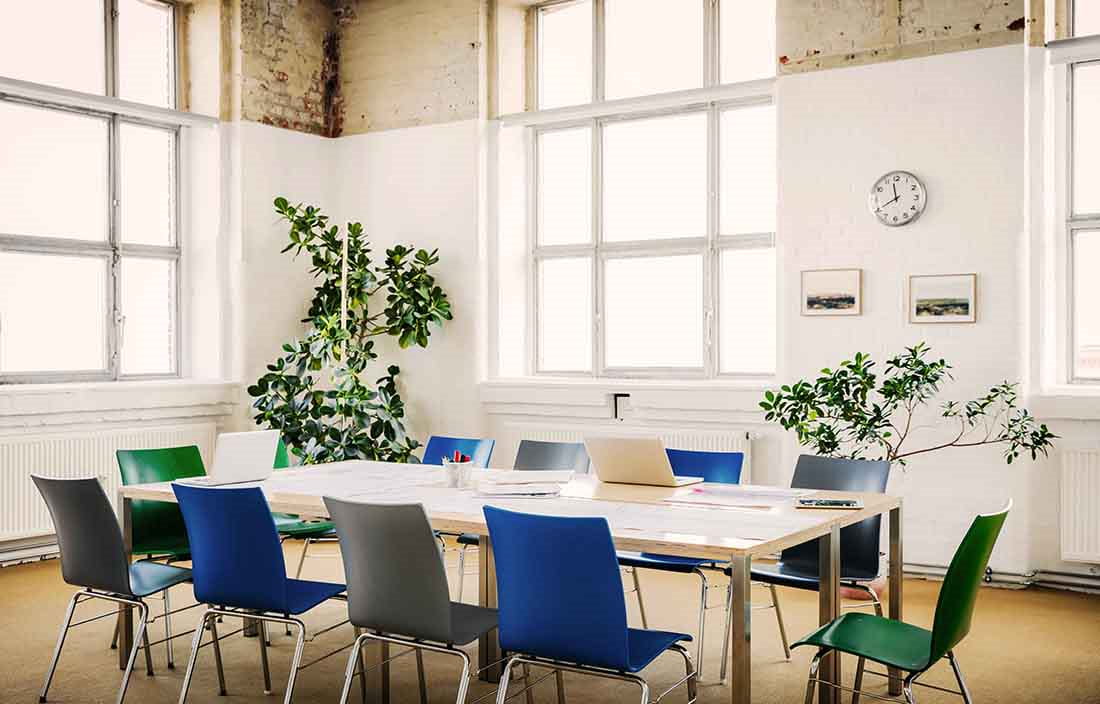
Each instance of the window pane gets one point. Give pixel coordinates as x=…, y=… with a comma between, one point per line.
x=746, y=40
x=1086, y=138
x=654, y=311
x=1086, y=17
x=565, y=54
x=53, y=173
x=655, y=178
x=565, y=315
x=147, y=178
x=748, y=176
x=149, y=305
x=146, y=65
x=58, y=43
x=565, y=186
x=53, y=313
x=1086, y=304
x=746, y=309
x=652, y=46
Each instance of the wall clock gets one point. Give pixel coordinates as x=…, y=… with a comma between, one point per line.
x=897, y=199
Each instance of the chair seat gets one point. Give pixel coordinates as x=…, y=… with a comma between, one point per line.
x=645, y=645
x=472, y=539
x=293, y=526
x=468, y=622
x=665, y=563
x=147, y=577
x=892, y=643
x=302, y=595
x=783, y=575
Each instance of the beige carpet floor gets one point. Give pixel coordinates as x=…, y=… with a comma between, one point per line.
x=1029, y=645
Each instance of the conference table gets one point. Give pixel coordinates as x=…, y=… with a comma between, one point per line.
x=672, y=521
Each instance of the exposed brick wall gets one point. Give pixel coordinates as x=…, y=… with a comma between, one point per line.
x=820, y=34
x=289, y=71
x=409, y=62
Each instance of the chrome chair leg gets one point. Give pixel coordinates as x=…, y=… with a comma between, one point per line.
x=302, y=560
x=702, y=623
x=779, y=620
x=139, y=636
x=857, y=686
x=963, y=689
x=168, y=630
x=505, y=677
x=811, y=681
x=218, y=655
x=461, y=571
x=61, y=643
x=362, y=668
x=638, y=592
x=263, y=657
x=349, y=671
x=691, y=671
x=645, y=692
x=421, y=683
x=296, y=663
x=196, y=643
x=464, y=679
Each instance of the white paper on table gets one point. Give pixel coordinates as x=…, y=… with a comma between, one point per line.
x=531, y=476
x=496, y=489
x=741, y=496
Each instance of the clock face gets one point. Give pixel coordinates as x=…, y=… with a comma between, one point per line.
x=897, y=199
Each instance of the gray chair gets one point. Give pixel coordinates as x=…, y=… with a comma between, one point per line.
x=397, y=587
x=93, y=557
x=531, y=456
x=859, y=544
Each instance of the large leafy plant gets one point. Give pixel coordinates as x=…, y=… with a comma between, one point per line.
x=314, y=393
x=853, y=412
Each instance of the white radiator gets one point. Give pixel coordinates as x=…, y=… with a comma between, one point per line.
x=23, y=514
x=1081, y=506
x=715, y=441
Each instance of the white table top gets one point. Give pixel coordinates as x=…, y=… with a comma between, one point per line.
x=639, y=516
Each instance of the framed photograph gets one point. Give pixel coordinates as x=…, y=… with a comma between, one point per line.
x=832, y=292
x=945, y=298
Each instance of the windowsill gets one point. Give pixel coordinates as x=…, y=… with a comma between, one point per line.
x=1066, y=402
x=704, y=400
x=23, y=405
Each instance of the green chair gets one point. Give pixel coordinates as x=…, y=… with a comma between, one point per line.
x=157, y=527
x=909, y=648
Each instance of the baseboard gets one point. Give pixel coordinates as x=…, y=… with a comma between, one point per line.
x=17, y=552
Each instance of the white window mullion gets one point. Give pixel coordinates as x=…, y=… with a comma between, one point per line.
x=598, y=326
x=116, y=328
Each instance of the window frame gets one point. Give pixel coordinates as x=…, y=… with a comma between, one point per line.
x=713, y=100
x=1074, y=223
x=115, y=112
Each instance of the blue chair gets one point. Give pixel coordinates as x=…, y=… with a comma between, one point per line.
x=714, y=467
x=531, y=456
x=440, y=446
x=561, y=604
x=238, y=570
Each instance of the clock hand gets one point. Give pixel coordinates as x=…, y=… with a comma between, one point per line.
x=896, y=196
x=893, y=200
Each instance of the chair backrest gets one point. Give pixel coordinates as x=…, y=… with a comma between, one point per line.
x=88, y=535
x=395, y=575
x=158, y=524
x=559, y=590
x=859, y=543
x=538, y=454
x=236, y=556
x=440, y=446
x=720, y=467
x=959, y=591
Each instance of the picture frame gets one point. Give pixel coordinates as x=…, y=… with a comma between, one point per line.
x=828, y=292
x=943, y=298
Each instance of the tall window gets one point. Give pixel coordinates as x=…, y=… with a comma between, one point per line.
x=654, y=215
x=89, y=252
x=1083, y=208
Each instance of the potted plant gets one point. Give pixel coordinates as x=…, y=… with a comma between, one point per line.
x=852, y=411
x=314, y=393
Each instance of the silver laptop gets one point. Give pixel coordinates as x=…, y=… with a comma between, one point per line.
x=633, y=461
x=241, y=458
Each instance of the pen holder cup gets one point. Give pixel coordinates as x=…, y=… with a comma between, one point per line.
x=458, y=473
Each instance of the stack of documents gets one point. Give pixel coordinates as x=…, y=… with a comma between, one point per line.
x=740, y=495
x=524, y=483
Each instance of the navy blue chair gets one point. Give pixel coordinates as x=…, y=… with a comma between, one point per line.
x=714, y=467
x=531, y=456
x=238, y=570
x=440, y=446
x=561, y=604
